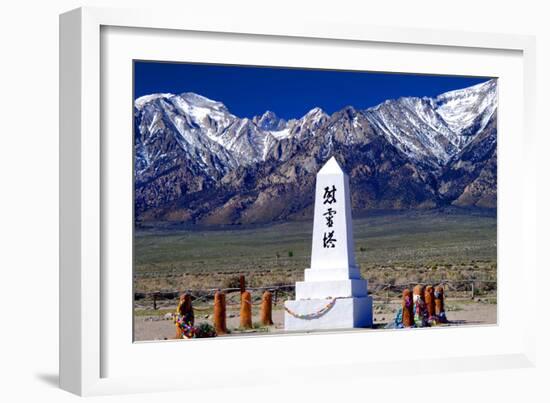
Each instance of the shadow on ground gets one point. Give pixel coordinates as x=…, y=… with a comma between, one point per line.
x=49, y=379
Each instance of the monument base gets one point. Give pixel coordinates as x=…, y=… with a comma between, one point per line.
x=331, y=289
x=339, y=313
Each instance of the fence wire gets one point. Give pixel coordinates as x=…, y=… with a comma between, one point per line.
x=203, y=298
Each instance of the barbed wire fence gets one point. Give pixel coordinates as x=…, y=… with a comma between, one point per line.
x=382, y=292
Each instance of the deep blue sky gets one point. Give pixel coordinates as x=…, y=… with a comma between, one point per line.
x=290, y=93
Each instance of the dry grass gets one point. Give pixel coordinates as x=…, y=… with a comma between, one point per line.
x=398, y=248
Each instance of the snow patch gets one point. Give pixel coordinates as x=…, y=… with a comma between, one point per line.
x=140, y=102
x=281, y=134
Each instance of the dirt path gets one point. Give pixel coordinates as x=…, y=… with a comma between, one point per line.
x=458, y=312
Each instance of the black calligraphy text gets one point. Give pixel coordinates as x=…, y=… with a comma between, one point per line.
x=329, y=197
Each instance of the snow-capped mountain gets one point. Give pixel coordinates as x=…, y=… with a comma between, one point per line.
x=191, y=149
x=269, y=121
x=203, y=127
x=467, y=111
x=436, y=129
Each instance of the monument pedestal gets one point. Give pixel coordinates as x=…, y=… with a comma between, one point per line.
x=343, y=313
x=329, y=304
x=333, y=295
x=331, y=289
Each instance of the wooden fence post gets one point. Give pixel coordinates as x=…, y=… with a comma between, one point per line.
x=265, y=310
x=185, y=315
x=429, y=298
x=220, y=313
x=407, y=314
x=439, y=295
x=242, y=284
x=246, y=310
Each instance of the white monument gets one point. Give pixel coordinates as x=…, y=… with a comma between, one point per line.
x=333, y=295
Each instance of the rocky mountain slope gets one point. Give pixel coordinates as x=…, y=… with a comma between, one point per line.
x=197, y=162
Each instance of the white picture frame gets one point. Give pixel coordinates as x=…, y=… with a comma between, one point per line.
x=89, y=310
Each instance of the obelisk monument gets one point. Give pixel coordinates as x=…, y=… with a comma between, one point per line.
x=333, y=295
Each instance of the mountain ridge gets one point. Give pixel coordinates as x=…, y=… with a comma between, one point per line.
x=189, y=148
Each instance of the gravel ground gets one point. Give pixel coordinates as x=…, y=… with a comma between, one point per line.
x=460, y=313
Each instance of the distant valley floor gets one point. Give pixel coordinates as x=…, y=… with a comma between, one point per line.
x=452, y=244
